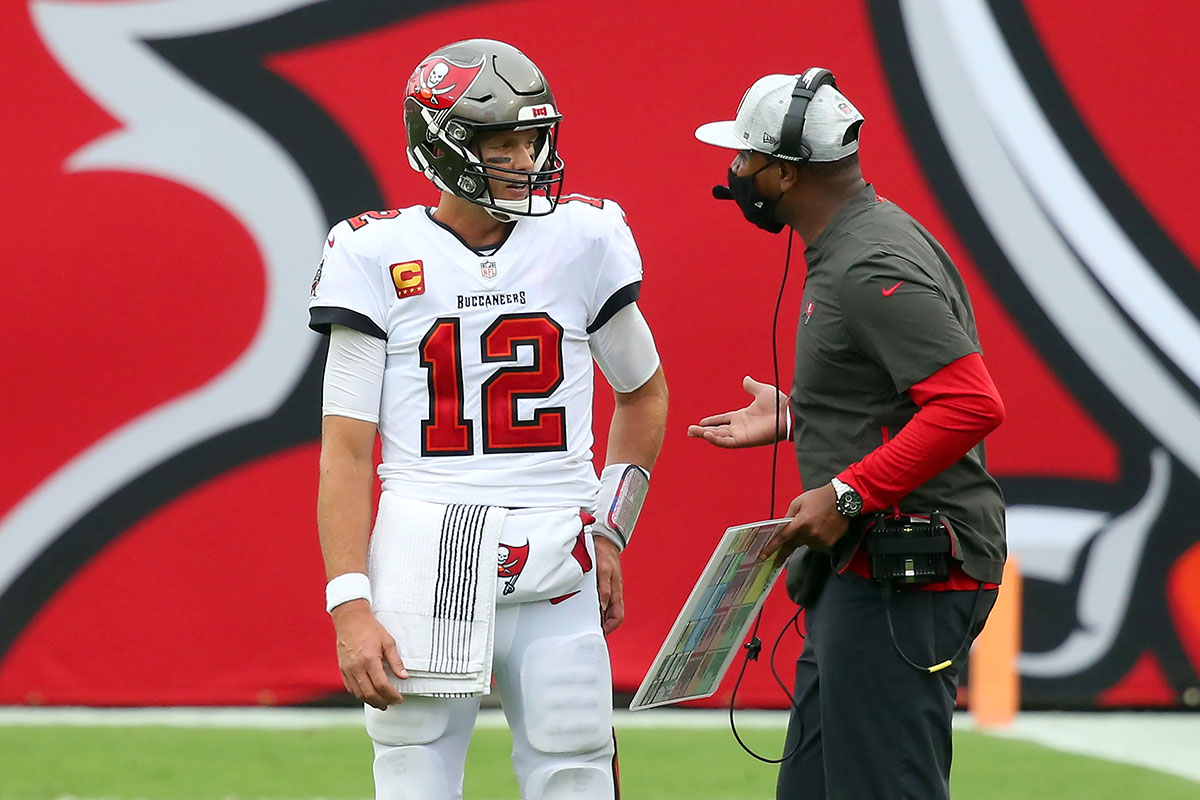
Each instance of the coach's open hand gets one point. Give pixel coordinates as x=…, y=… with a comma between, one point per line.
x=815, y=522
x=362, y=647
x=610, y=584
x=764, y=421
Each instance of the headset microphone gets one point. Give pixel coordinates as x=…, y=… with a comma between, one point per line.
x=721, y=192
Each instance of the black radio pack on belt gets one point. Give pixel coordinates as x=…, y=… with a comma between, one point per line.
x=909, y=549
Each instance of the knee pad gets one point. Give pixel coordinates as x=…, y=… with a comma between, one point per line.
x=575, y=782
x=409, y=773
x=567, y=688
x=418, y=720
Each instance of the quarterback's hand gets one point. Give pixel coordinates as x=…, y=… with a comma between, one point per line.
x=363, y=646
x=816, y=522
x=610, y=584
x=751, y=426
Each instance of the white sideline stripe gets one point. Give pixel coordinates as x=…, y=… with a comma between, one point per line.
x=1167, y=742
x=311, y=718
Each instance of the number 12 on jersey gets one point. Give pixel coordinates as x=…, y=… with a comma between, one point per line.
x=447, y=431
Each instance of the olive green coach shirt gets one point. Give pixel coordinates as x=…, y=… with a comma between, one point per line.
x=884, y=308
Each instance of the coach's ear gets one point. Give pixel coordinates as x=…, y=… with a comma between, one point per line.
x=789, y=174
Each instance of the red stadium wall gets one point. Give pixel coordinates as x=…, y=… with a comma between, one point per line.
x=170, y=170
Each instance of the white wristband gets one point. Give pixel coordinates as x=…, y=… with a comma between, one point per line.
x=346, y=587
x=619, y=503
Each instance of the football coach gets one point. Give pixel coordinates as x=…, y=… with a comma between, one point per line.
x=898, y=538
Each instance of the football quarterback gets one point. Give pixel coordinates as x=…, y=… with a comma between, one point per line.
x=463, y=336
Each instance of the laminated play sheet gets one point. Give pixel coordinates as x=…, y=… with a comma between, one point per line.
x=709, y=631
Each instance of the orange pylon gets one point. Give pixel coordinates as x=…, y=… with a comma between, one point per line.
x=994, y=691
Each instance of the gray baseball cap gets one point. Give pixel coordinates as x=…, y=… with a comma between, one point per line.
x=831, y=122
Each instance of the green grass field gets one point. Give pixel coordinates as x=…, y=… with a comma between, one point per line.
x=163, y=763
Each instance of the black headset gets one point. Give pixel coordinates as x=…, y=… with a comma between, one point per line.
x=791, y=144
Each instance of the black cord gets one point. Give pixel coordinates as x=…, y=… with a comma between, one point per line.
x=754, y=646
x=751, y=647
x=775, y=372
x=786, y=690
x=886, y=589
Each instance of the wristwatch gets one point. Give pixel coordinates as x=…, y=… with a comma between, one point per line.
x=849, y=501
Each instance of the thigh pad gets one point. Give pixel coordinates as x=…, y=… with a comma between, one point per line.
x=418, y=720
x=567, y=688
x=574, y=782
x=409, y=773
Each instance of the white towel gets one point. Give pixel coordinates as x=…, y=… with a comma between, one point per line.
x=433, y=586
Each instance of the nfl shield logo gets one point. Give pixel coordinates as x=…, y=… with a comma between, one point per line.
x=487, y=269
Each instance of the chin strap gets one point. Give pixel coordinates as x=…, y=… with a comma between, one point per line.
x=497, y=214
x=622, y=493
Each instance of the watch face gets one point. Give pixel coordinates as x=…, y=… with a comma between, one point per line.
x=849, y=504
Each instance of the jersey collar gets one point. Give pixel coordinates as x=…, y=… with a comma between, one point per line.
x=491, y=250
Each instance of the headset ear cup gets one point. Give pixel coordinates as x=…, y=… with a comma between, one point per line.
x=791, y=134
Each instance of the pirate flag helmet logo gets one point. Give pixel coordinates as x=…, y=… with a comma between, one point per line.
x=438, y=83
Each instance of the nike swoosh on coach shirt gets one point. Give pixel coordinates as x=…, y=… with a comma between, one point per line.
x=889, y=292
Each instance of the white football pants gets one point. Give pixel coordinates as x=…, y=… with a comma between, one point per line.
x=552, y=671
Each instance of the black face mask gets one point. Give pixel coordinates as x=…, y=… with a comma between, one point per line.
x=755, y=208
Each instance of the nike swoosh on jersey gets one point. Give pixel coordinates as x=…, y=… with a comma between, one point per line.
x=890, y=291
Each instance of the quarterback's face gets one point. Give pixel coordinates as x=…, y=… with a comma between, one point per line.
x=509, y=150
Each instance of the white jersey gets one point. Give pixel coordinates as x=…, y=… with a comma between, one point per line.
x=487, y=389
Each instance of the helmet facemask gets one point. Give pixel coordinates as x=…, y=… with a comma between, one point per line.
x=451, y=152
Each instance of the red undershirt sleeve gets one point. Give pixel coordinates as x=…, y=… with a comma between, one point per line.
x=959, y=406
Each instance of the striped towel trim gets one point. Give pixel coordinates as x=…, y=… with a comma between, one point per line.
x=455, y=589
